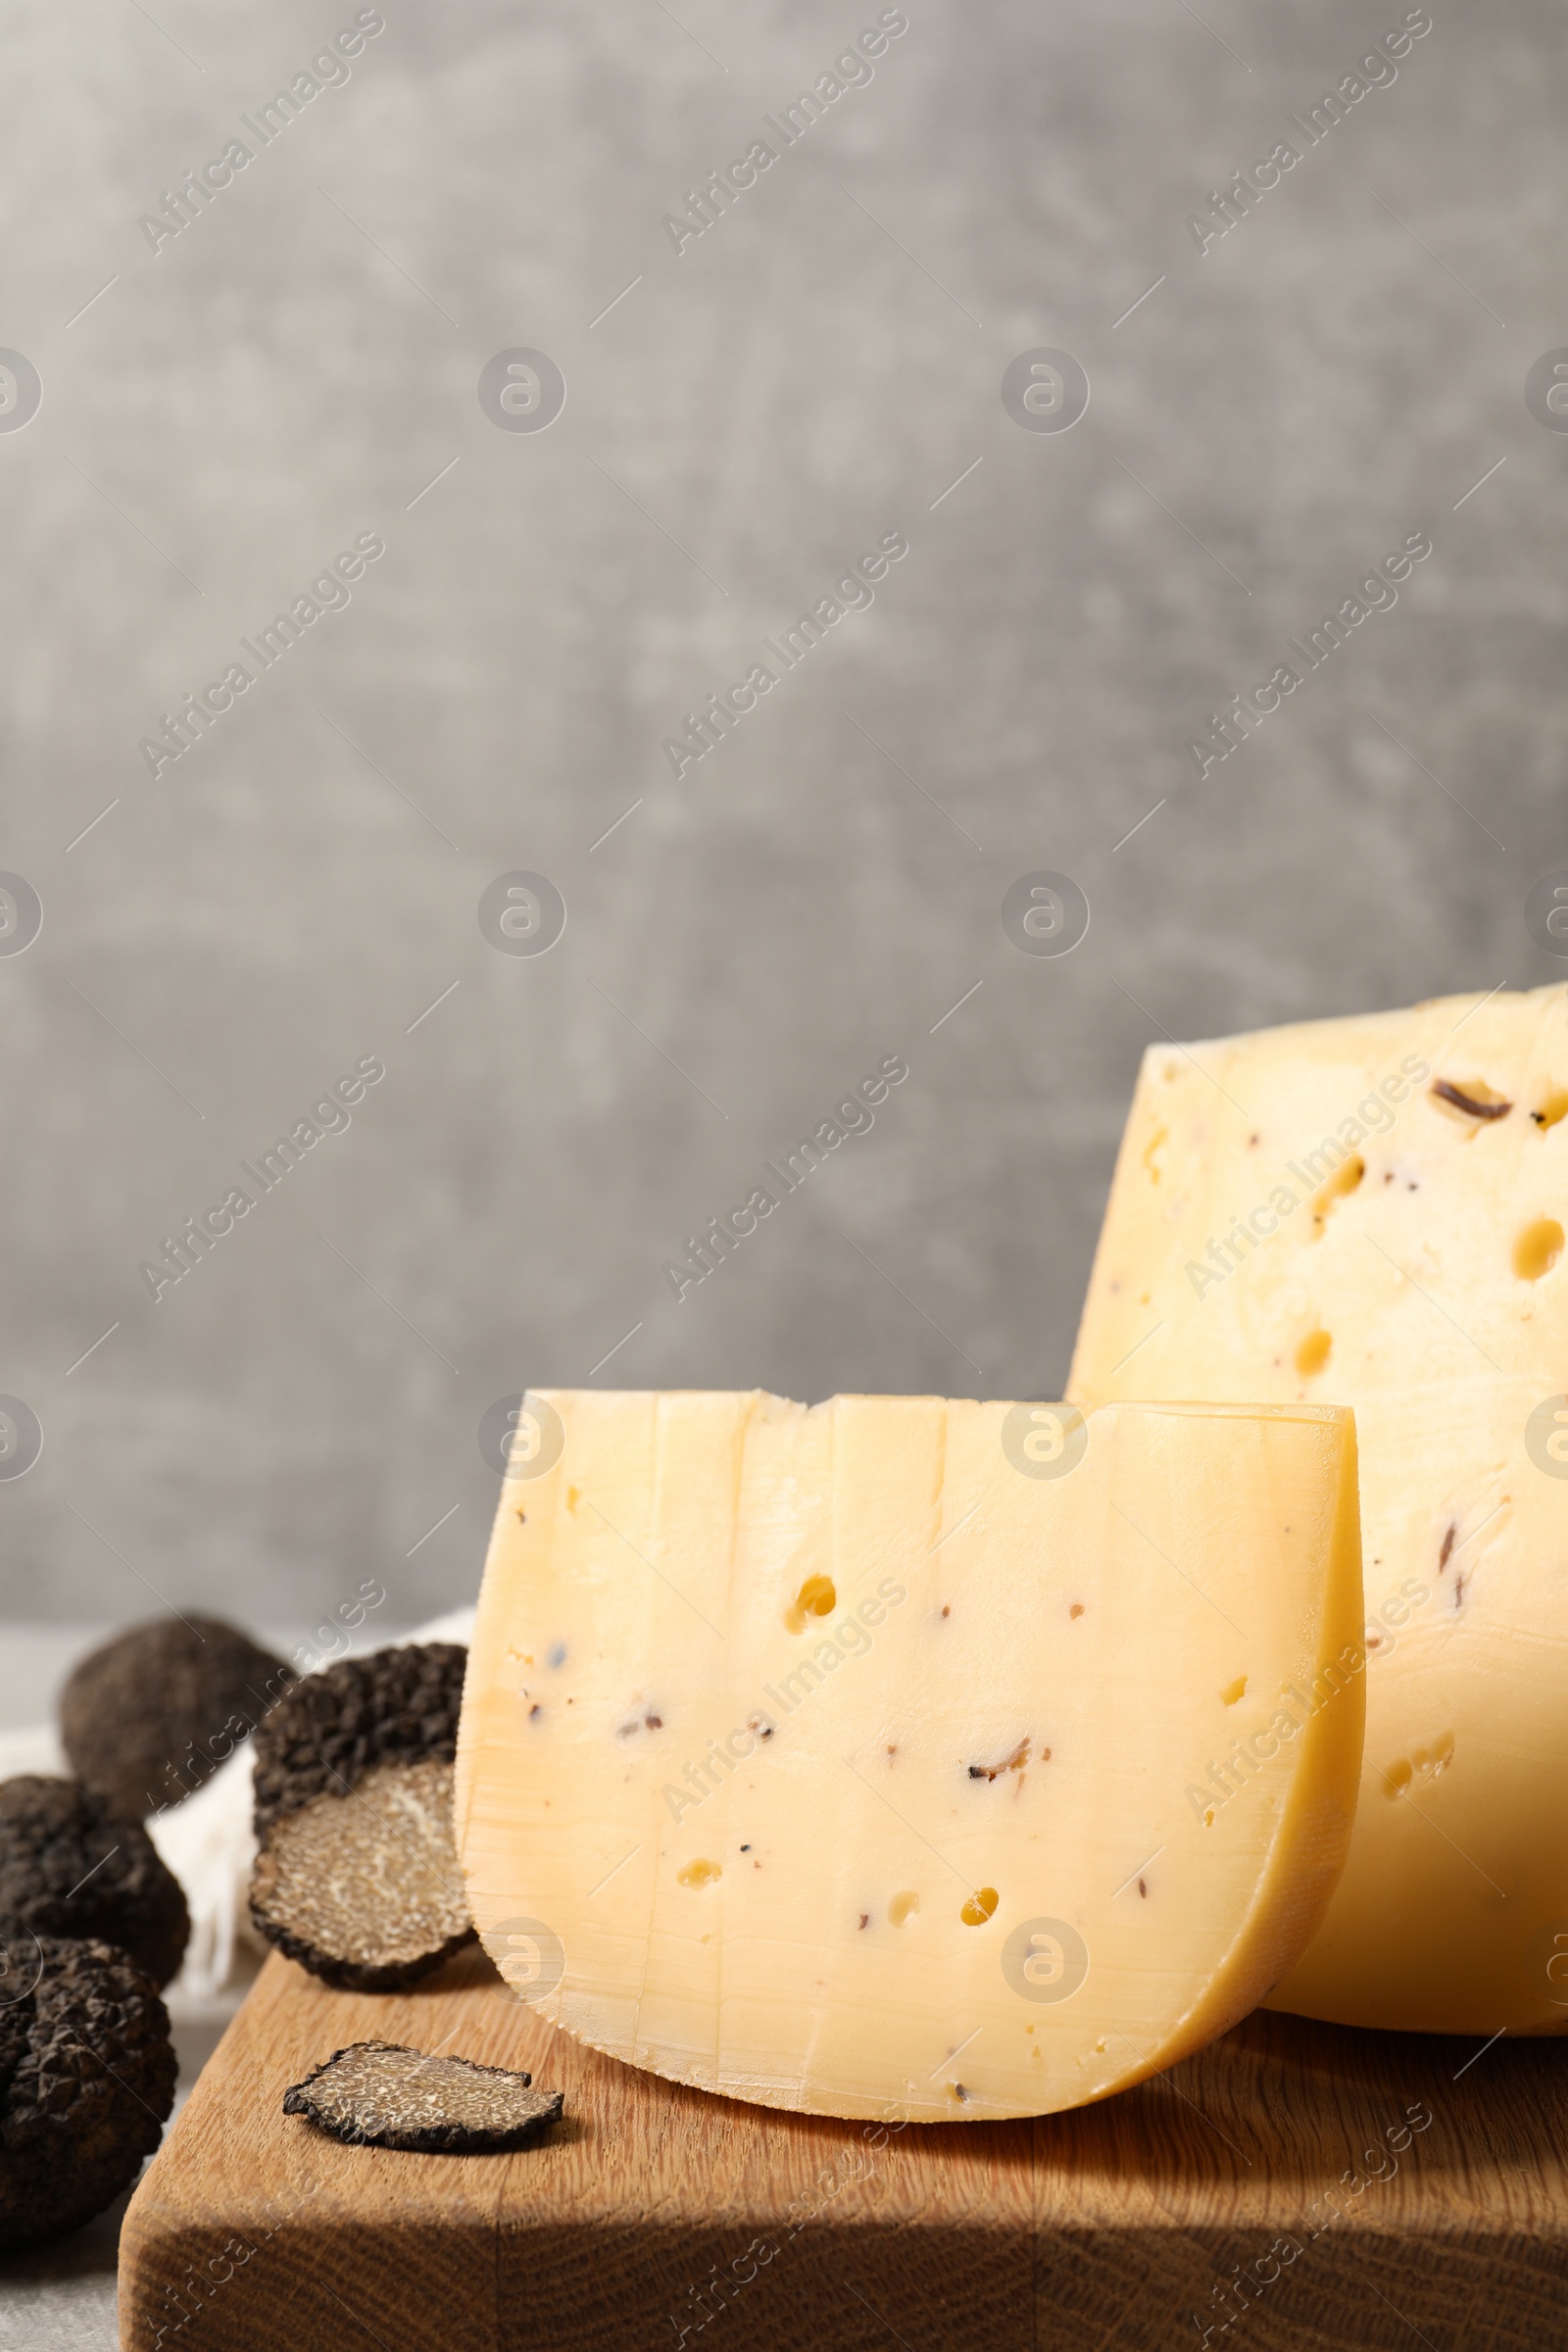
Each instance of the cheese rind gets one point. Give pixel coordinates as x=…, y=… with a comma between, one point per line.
x=843, y=1758
x=1370, y=1211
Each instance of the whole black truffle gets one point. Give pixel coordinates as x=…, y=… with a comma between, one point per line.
x=381, y=2095
x=86, y=2079
x=154, y=1712
x=69, y=1866
x=395, y=1706
x=357, y=1876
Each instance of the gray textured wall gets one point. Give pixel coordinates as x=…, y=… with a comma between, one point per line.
x=813, y=372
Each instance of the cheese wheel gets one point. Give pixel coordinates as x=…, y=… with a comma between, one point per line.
x=1370, y=1212
x=865, y=1759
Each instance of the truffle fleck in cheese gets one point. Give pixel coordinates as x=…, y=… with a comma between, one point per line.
x=911, y=1759
x=1370, y=1212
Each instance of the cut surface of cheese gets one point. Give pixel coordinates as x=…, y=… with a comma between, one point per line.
x=1370, y=1211
x=859, y=1759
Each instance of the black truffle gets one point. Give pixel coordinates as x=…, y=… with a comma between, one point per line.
x=357, y=1877
x=86, y=2079
x=71, y=1866
x=152, y=1714
x=381, y=2095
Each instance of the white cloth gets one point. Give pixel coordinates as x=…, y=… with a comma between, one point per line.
x=208, y=1843
x=31, y=1751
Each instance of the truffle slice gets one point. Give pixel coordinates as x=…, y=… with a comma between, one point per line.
x=381, y=2095
x=152, y=1714
x=71, y=1866
x=357, y=1876
x=365, y=1890
x=86, y=2079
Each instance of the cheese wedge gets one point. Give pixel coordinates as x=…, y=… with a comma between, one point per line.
x=848, y=1758
x=1371, y=1212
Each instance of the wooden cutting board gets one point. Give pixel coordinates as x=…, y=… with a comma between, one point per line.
x=1293, y=2185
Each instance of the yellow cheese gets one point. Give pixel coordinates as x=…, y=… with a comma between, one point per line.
x=845, y=1759
x=1370, y=1211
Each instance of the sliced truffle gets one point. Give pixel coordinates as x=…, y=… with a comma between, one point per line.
x=363, y=1890
x=152, y=1714
x=381, y=2095
x=71, y=1866
x=86, y=2079
x=357, y=1876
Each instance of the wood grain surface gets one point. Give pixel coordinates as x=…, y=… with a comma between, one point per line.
x=1293, y=2185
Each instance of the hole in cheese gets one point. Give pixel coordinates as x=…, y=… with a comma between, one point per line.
x=1234, y=1690
x=1015, y=1762
x=816, y=1597
x=980, y=1907
x=1537, y=1248
x=1473, y=1101
x=1420, y=1765
x=1343, y=1182
x=700, y=1873
x=1552, y=1106
x=1313, y=1353
x=904, y=1906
